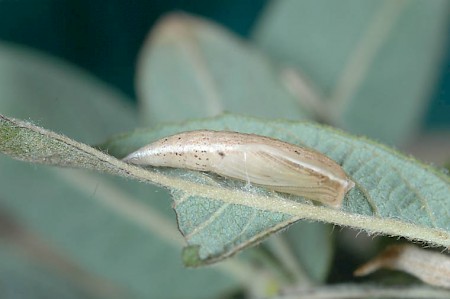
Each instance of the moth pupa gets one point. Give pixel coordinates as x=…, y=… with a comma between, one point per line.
x=260, y=160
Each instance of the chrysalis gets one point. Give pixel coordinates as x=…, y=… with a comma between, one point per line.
x=263, y=161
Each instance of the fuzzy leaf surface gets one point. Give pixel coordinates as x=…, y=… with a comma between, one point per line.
x=394, y=194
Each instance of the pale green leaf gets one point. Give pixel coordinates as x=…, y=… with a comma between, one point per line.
x=192, y=68
x=375, y=61
x=394, y=195
x=397, y=191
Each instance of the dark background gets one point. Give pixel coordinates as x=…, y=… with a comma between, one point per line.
x=104, y=37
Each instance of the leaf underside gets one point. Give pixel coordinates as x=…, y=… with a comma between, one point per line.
x=394, y=194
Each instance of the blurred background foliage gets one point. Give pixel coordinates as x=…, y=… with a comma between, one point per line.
x=104, y=37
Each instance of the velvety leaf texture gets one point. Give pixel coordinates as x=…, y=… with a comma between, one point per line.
x=388, y=185
x=394, y=194
x=219, y=229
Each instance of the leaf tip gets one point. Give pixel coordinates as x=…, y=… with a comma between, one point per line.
x=191, y=256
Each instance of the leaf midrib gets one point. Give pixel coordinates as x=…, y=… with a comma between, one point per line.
x=301, y=210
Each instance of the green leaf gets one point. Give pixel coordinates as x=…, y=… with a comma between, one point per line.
x=375, y=61
x=394, y=195
x=192, y=68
